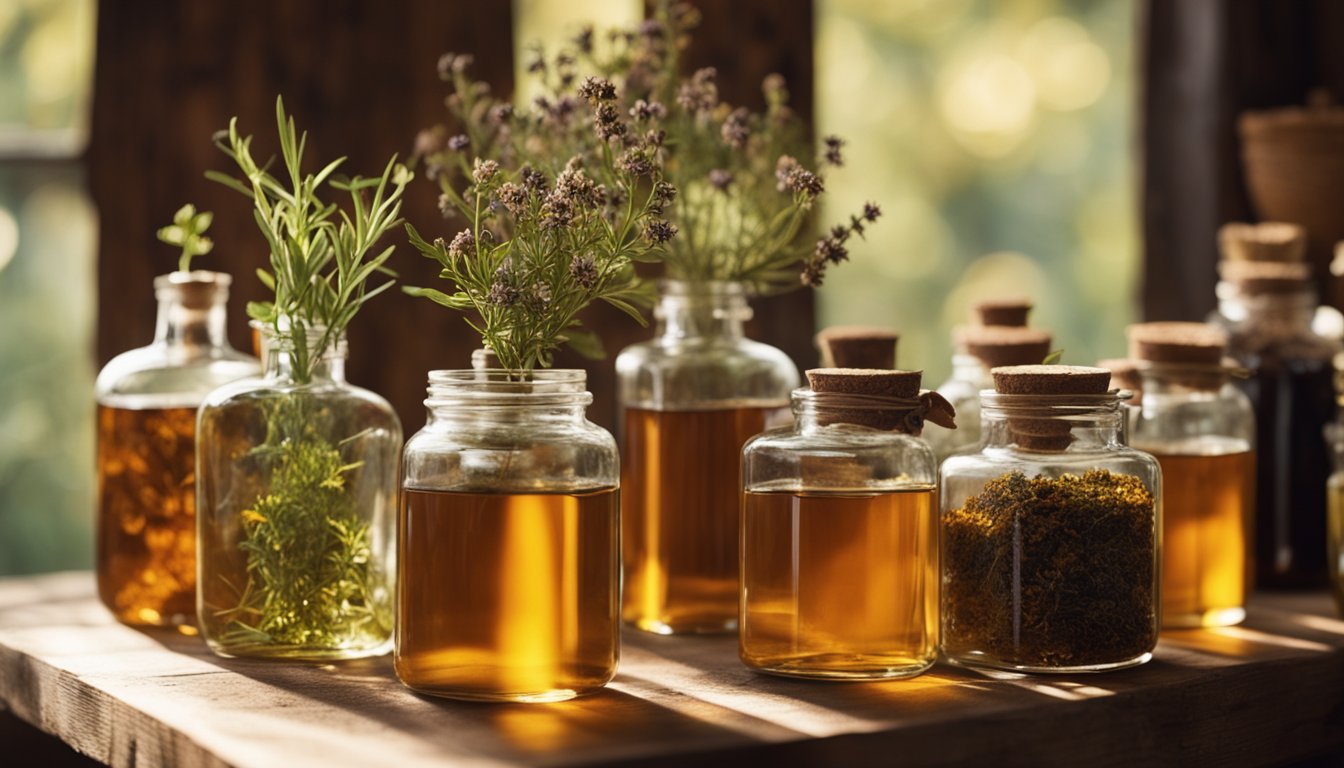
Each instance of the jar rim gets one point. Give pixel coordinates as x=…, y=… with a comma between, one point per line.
x=992, y=402
x=499, y=388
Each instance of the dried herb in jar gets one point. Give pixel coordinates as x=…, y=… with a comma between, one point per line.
x=1052, y=572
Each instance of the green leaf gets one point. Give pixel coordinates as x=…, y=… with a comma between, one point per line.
x=1053, y=358
x=456, y=301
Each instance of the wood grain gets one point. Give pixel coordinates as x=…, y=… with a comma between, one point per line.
x=1272, y=691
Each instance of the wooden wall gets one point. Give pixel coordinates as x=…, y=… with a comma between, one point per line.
x=360, y=77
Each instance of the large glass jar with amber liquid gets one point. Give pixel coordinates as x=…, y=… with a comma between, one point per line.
x=508, y=541
x=1201, y=429
x=147, y=400
x=296, y=501
x=840, y=533
x=690, y=399
x=1051, y=533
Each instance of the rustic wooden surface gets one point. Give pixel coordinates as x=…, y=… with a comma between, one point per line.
x=1271, y=691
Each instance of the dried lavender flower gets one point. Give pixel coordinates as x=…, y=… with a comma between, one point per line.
x=659, y=231
x=459, y=142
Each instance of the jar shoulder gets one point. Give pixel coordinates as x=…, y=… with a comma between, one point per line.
x=159, y=375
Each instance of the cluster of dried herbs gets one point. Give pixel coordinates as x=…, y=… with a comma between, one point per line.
x=310, y=573
x=747, y=186
x=557, y=204
x=1052, y=572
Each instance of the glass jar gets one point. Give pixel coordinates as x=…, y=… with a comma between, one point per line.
x=839, y=543
x=147, y=400
x=296, y=502
x=1292, y=394
x=962, y=389
x=1050, y=534
x=509, y=541
x=690, y=399
x=1334, y=435
x=1202, y=431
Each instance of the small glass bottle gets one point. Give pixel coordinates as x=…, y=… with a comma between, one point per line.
x=840, y=532
x=980, y=349
x=1266, y=241
x=296, y=504
x=509, y=541
x=1050, y=534
x=1292, y=394
x=147, y=400
x=1334, y=437
x=1202, y=431
x=690, y=399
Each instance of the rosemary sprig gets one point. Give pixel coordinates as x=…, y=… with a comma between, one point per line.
x=188, y=233
x=320, y=254
x=560, y=202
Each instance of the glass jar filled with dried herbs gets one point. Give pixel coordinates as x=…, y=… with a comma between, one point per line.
x=1050, y=533
x=840, y=531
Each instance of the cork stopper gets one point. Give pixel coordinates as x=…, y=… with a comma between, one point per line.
x=907, y=411
x=1266, y=277
x=1266, y=241
x=1000, y=346
x=1047, y=434
x=858, y=346
x=196, y=289
x=1011, y=312
x=1124, y=375
x=1193, y=343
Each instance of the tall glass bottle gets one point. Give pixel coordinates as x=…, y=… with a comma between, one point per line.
x=509, y=541
x=1202, y=431
x=147, y=400
x=690, y=399
x=296, y=505
x=1292, y=394
x=1050, y=534
x=840, y=533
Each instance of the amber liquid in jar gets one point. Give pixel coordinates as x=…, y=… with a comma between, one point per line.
x=1336, y=537
x=507, y=596
x=840, y=584
x=1206, y=506
x=680, y=489
x=146, y=530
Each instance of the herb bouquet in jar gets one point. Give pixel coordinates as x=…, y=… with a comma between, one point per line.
x=297, y=468
x=508, y=548
x=693, y=395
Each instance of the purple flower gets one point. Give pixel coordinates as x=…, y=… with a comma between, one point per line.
x=659, y=231
x=459, y=142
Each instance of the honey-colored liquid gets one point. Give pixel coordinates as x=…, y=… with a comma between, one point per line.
x=841, y=585
x=1207, y=503
x=507, y=596
x=1335, y=534
x=146, y=528
x=680, y=487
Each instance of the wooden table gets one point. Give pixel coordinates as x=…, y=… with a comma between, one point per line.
x=1272, y=690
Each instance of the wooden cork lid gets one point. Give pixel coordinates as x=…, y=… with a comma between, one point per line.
x=858, y=346
x=1051, y=380
x=1197, y=343
x=1011, y=312
x=1263, y=277
x=907, y=412
x=999, y=346
x=198, y=289
x=1044, y=433
x=1266, y=241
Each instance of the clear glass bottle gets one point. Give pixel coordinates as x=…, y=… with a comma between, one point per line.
x=147, y=400
x=690, y=399
x=1334, y=435
x=296, y=505
x=840, y=541
x=1291, y=392
x=1050, y=534
x=509, y=541
x=1201, y=429
x=979, y=350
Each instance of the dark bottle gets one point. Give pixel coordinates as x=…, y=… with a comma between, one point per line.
x=1291, y=390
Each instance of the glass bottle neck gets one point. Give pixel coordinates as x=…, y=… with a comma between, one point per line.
x=970, y=369
x=687, y=310
x=493, y=396
x=318, y=363
x=1293, y=310
x=193, y=310
x=1052, y=424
